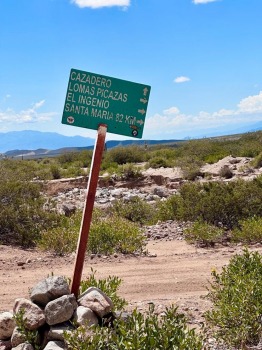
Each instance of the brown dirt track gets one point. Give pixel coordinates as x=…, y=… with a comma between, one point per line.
x=178, y=274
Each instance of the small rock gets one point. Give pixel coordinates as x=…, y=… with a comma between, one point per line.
x=56, y=332
x=49, y=289
x=7, y=325
x=85, y=316
x=17, y=338
x=60, y=310
x=96, y=300
x=33, y=316
x=55, y=345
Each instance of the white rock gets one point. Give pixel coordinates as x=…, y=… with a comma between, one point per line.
x=60, y=310
x=57, y=332
x=55, y=345
x=49, y=289
x=17, y=338
x=33, y=316
x=96, y=300
x=85, y=316
x=7, y=325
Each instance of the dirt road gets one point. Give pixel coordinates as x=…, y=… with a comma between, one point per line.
x=174, y=273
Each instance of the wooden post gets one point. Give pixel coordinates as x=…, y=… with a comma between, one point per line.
x=88, y=209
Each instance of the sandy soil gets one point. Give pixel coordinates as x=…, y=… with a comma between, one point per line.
x=173, y=273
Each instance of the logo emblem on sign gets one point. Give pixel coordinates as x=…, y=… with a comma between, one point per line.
x=70, y=120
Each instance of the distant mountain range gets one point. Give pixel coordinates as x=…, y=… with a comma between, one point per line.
x=31, y=144
x=35, y=144
x=31, y=140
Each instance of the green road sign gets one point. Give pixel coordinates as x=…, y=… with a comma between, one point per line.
x=94, y=99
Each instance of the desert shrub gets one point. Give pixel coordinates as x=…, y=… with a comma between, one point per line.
x=107, y=235
x=55, y=171
x=67, y=157
x=190, y=167
x=215, y=157
x=257, y=161
x=250, y=231
x=73, y=171
x=109, y=167
x=235, y=294
x=22, y=217
x=217, y=203
x=20, y=170
x=123, y=155
x=226, y=172
x=168, y=209
x=158, y=162
x=129, y=171
x=203, y=233
x=168, y=153
x=136, y=210
x=140, y=331
x=109, y=286
x=61, y=239
x=115, y=234
x=83, y=158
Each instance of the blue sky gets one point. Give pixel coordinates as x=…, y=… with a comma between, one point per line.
x=202, y=59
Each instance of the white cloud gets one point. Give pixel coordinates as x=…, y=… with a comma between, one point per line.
x=94, y=4
x=251, y=104
x=203, y=1
x=38, y=104
x=170, y=111
x=173, y=124
x=30, y=115
x=181, y=79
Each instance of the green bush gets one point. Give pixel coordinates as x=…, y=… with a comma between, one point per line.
x=235, y=294
x=55, y=171
x=83, y=158
x=22, y=170
x=129, y=171
x=109, y=286
x=61, y=239
x=115, y=234
x=250, y=231
x=217, y=203
x=109, y=167
x=190, y=167
x=123, y=155
x=226, y=172
x=215, y=157
x=136, y=210
x=107, y=235
x=22, y=217
x=139, y=332
x=257, y=161
x=158, y=162
x=203, y=233
x=168, y=209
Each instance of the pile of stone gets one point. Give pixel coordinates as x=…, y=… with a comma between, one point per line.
x=50, y=311
x=69, y=201
x=166, y=231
